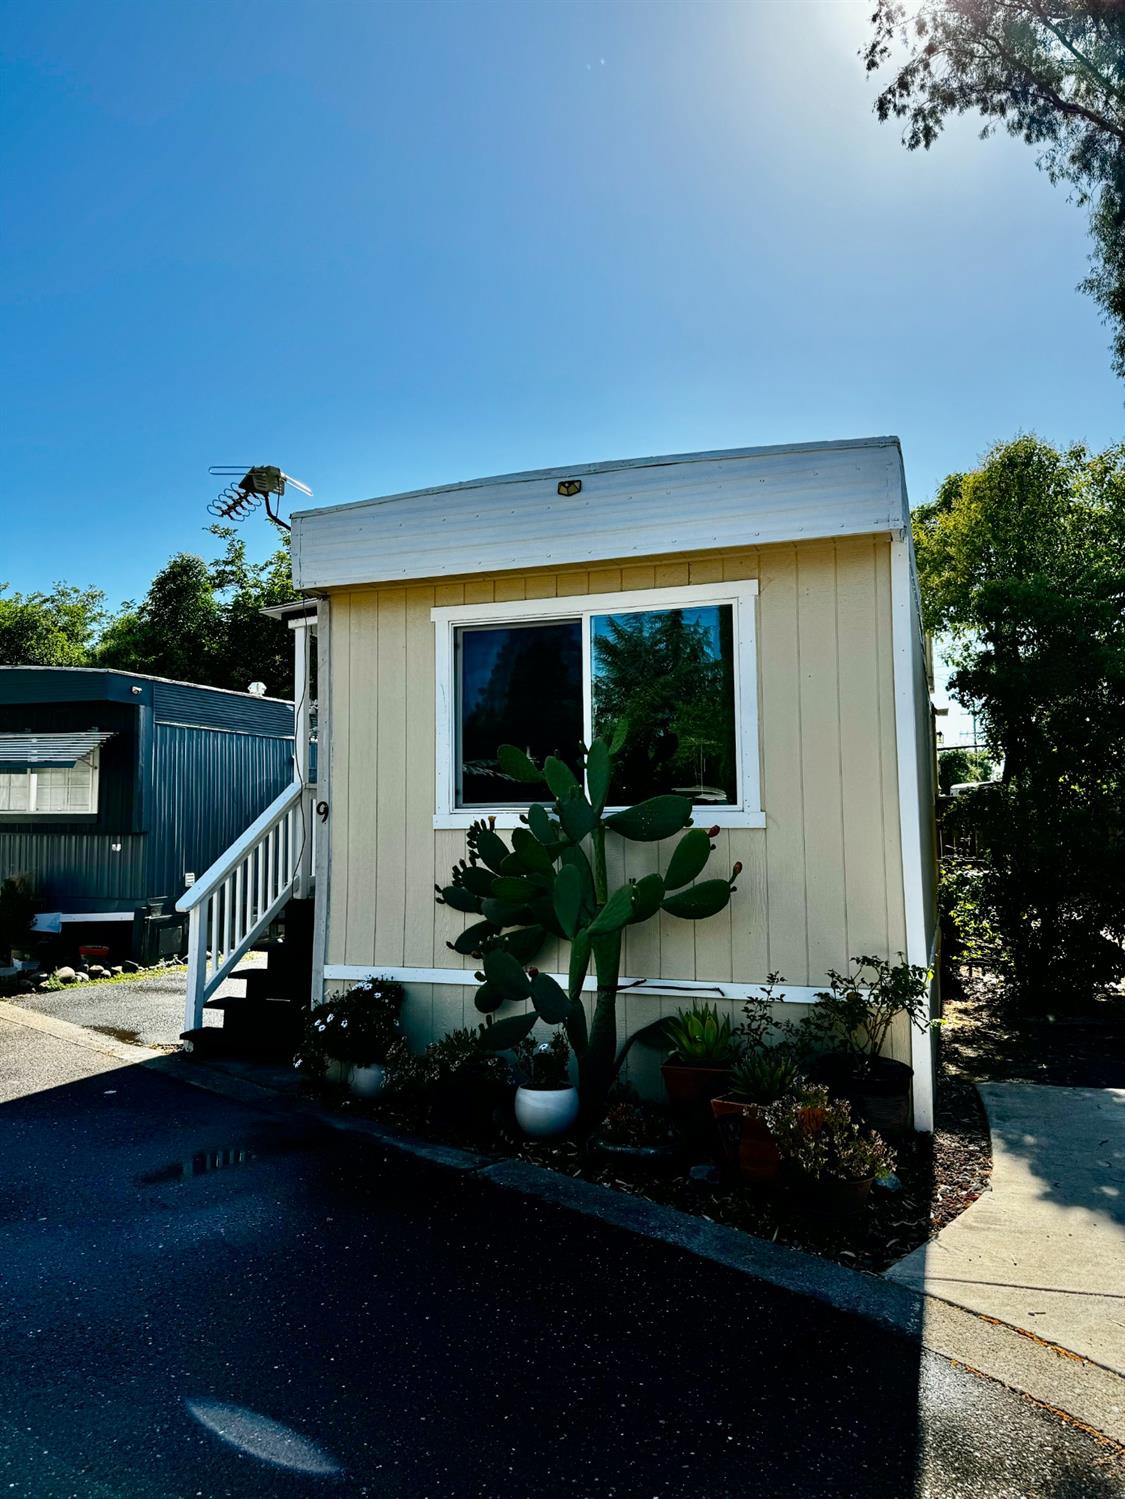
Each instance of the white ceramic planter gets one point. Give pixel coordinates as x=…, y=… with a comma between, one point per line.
x=368, y=1082
x=545, y=1112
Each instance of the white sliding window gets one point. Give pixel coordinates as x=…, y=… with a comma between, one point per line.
x=60, y=790
x=677, y=664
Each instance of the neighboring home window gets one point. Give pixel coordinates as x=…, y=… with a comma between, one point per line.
x=678, y=664
x=60, y=790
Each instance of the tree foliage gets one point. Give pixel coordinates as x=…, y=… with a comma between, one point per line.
x=1051, y=72
x=198, y=622
x=1023, y=566
x=201, y=622
x=959, y=767
x=49, y=629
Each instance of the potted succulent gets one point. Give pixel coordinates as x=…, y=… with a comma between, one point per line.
x=546, y=1099
x=350, y=1039
x=849, y=1026
x=832, y=1163
x=762, y=1078
x=704, y=1049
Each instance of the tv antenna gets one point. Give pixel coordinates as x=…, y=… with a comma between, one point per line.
x=257, y=485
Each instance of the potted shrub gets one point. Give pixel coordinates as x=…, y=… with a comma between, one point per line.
x=704, y=1049
x=762, y=1078
x=832, y=1163
x=849, y=1027
x=465, y=1084
x=350, y=1038
x=546, y=1099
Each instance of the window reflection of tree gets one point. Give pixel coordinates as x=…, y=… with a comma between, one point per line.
x=670, y=674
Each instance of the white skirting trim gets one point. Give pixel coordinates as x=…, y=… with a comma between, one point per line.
x=355, y=973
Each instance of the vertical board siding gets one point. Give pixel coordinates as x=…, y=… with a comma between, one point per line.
x=821, y=882
x=388, y=770
x=207, y=788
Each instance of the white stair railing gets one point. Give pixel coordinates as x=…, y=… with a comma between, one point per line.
x=231, y=905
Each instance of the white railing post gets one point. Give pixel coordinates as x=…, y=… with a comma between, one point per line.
x=197, y=968
x=305, y=835
x=233, y=903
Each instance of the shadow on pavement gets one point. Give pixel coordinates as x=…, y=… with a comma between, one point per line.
x=201, y=1299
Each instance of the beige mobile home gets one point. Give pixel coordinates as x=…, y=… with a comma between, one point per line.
x=449, y=620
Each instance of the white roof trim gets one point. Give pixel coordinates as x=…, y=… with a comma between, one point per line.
x=26, y=751
x=640, y=507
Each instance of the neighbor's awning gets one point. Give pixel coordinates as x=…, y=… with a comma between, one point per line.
x=49, y=751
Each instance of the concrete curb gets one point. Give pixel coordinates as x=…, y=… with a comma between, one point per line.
x=1065, y=1383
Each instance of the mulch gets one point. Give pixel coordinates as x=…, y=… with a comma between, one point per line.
x=985, y=1039
x=937, y=1177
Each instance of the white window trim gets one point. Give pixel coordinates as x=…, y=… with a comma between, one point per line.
x=32, y=810
x=742, y=595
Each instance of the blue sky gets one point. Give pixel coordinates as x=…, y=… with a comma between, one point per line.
x=386, y=246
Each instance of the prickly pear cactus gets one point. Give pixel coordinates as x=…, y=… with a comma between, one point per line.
x=551, y=880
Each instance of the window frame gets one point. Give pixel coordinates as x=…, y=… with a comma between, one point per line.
x=741, y=595
x=34, y=810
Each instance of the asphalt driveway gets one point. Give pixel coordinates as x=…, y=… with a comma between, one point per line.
x=200, y=1299
x=147, y=1009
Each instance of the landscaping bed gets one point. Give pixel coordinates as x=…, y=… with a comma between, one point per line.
x=938, y=1177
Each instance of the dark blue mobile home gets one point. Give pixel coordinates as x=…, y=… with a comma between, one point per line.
x=115, y=788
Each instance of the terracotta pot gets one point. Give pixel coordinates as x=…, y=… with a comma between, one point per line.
x=746, y=1140
x=832, y=1196
x=689, y=1087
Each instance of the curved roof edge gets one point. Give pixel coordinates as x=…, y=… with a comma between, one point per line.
x=622, y=509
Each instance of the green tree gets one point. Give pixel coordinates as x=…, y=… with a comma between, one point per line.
x=49, y=629
x=254, y=647
x=662, y=674
x=1051, y=73
x=201, y=622
x=176, y=630
x=959, y=767
x=1022, y=565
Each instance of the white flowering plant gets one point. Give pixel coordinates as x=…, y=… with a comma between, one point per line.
x=361, y=1027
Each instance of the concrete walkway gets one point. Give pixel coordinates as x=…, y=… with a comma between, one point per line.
x=1044, y=1250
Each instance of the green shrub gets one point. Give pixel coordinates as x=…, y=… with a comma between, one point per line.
x=818, y=1136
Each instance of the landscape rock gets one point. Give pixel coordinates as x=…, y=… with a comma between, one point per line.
x=65, y=975
x=81, y=978
x=98, y=972
x=130, y=967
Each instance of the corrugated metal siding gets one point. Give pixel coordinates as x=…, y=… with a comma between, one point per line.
x=183, y=703
x=207, y=789
x=77, y=871
x=647, y=509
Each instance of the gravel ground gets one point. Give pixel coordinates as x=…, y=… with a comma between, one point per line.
x=147, y=1010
